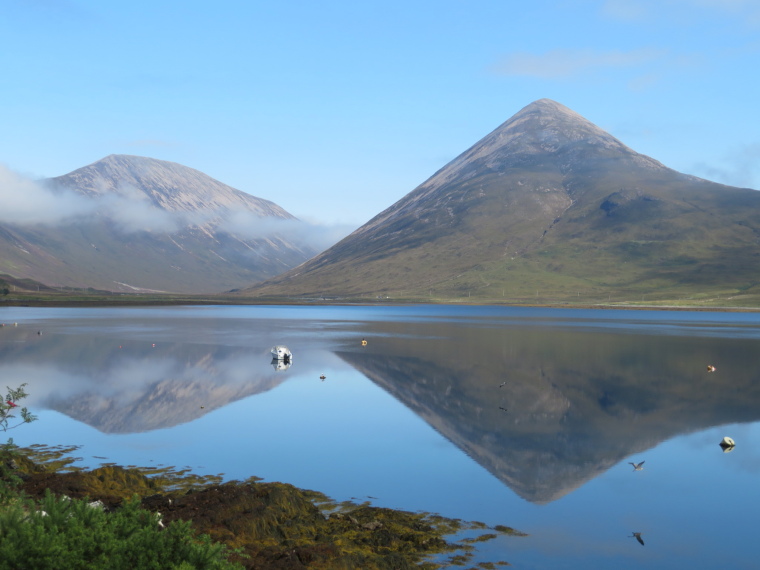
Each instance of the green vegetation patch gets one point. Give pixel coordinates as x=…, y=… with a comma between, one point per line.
x=58, y=532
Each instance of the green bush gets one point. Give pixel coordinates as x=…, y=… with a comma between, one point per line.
x=61, y=533
x=8, y=408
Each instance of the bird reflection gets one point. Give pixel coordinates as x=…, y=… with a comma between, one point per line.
x=637, y=536
x=637, y=466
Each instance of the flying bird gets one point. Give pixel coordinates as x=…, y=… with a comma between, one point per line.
x=637, y=466
x=637, y=536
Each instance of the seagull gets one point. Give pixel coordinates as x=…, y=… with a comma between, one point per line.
x=637, y=466
x=637, y=536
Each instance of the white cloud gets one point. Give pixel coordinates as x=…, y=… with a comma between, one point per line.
x=25, y=201
x=563, y=63
x=625, y=10
x=740, y=168
x=311, y=234
x=131, y=215
x=644, y=82
x=649, y=11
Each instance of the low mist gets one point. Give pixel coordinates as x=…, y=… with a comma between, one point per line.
x=26, y=202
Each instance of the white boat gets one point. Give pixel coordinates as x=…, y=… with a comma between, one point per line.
x=282, y=353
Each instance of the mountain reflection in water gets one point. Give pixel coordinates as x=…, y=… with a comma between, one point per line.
x=543, y=408
x=547, y=410
x=134, y=387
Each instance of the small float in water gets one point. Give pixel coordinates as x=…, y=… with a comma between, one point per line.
x=727, y=444
x=282, y=358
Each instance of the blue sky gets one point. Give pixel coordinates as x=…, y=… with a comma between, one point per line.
x=335, y=109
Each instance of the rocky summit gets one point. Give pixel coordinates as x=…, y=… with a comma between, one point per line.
x=546, y=207
x=151, y=225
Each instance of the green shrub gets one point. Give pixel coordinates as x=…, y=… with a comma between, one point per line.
x=8, y=457
x=61, y=533
x=8, y=408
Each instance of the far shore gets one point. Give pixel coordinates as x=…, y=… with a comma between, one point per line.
x=178, y=300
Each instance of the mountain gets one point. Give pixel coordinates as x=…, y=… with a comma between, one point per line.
x=152, y=225
x=548, y=204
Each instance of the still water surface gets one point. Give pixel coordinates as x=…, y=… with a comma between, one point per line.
x=517, y=416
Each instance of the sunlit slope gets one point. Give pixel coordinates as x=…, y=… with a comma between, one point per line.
x=548, y=203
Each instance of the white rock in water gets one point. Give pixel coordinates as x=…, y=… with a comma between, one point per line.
x=727, y=442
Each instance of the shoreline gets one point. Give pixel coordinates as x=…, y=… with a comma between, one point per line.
x=194, y=301
x=271, y=524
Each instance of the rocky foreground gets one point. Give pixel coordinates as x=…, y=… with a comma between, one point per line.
x=274, y=525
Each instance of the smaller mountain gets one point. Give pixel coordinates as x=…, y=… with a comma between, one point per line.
x=547, y=206
x=153, y=225
x=166, y=185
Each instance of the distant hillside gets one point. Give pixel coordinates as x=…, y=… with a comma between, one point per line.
x=152, y=226
x=547, y=206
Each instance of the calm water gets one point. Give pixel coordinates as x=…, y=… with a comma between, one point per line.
x=516, y=416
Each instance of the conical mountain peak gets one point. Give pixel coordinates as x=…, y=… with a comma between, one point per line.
x=545, y=138
x=546, y=199
x=548, y=122
x=544, y=129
